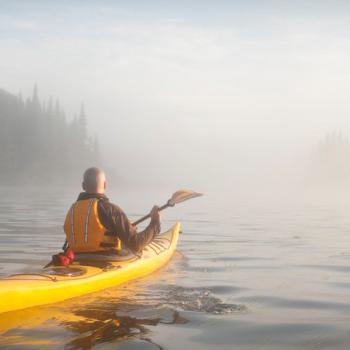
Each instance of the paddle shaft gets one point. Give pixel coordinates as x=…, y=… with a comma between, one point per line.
x=149, y=215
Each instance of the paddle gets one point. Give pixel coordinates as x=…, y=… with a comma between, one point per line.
x=178, y=197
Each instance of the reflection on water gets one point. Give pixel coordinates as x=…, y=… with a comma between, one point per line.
x=116, y=314
x=109, y=316
x=111, y=327
x=247, y=276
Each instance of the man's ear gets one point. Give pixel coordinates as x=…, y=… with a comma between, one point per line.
x=83, y=186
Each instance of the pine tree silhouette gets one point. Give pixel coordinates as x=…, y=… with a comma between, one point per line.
x=38, y=144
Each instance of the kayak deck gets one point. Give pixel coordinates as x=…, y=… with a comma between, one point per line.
x=50, y=285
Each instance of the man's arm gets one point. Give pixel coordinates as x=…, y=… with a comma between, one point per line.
x=134, y=240
x=116, y=221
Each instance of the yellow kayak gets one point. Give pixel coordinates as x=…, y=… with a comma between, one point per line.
x=56, y=284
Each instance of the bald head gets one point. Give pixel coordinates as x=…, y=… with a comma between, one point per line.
x=94, y=181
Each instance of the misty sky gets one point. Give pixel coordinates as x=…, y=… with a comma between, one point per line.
x=209, y=91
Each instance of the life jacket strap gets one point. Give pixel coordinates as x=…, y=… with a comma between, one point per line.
x=107, y=245
x=86, y=235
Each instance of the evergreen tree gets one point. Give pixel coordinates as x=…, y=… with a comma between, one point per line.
x=330, y=163
x=37, y=142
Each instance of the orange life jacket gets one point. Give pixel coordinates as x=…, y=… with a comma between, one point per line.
x=84, y=230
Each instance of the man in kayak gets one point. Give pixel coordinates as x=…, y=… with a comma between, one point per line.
x=93, y=224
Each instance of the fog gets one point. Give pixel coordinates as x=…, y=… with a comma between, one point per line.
x=197, y=94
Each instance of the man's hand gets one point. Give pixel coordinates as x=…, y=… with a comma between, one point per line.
x=155, y=215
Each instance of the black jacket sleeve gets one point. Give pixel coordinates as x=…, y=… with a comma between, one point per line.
x=117, y=223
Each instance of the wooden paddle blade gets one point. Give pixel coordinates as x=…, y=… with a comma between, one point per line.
x=177, y=197
x=183, y=195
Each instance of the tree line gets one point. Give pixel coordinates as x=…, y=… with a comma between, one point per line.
x=39, y=145
x=330, y=162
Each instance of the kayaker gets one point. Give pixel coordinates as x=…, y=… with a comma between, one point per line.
x=93, y=224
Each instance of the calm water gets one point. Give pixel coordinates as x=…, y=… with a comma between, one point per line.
x=252, y=274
